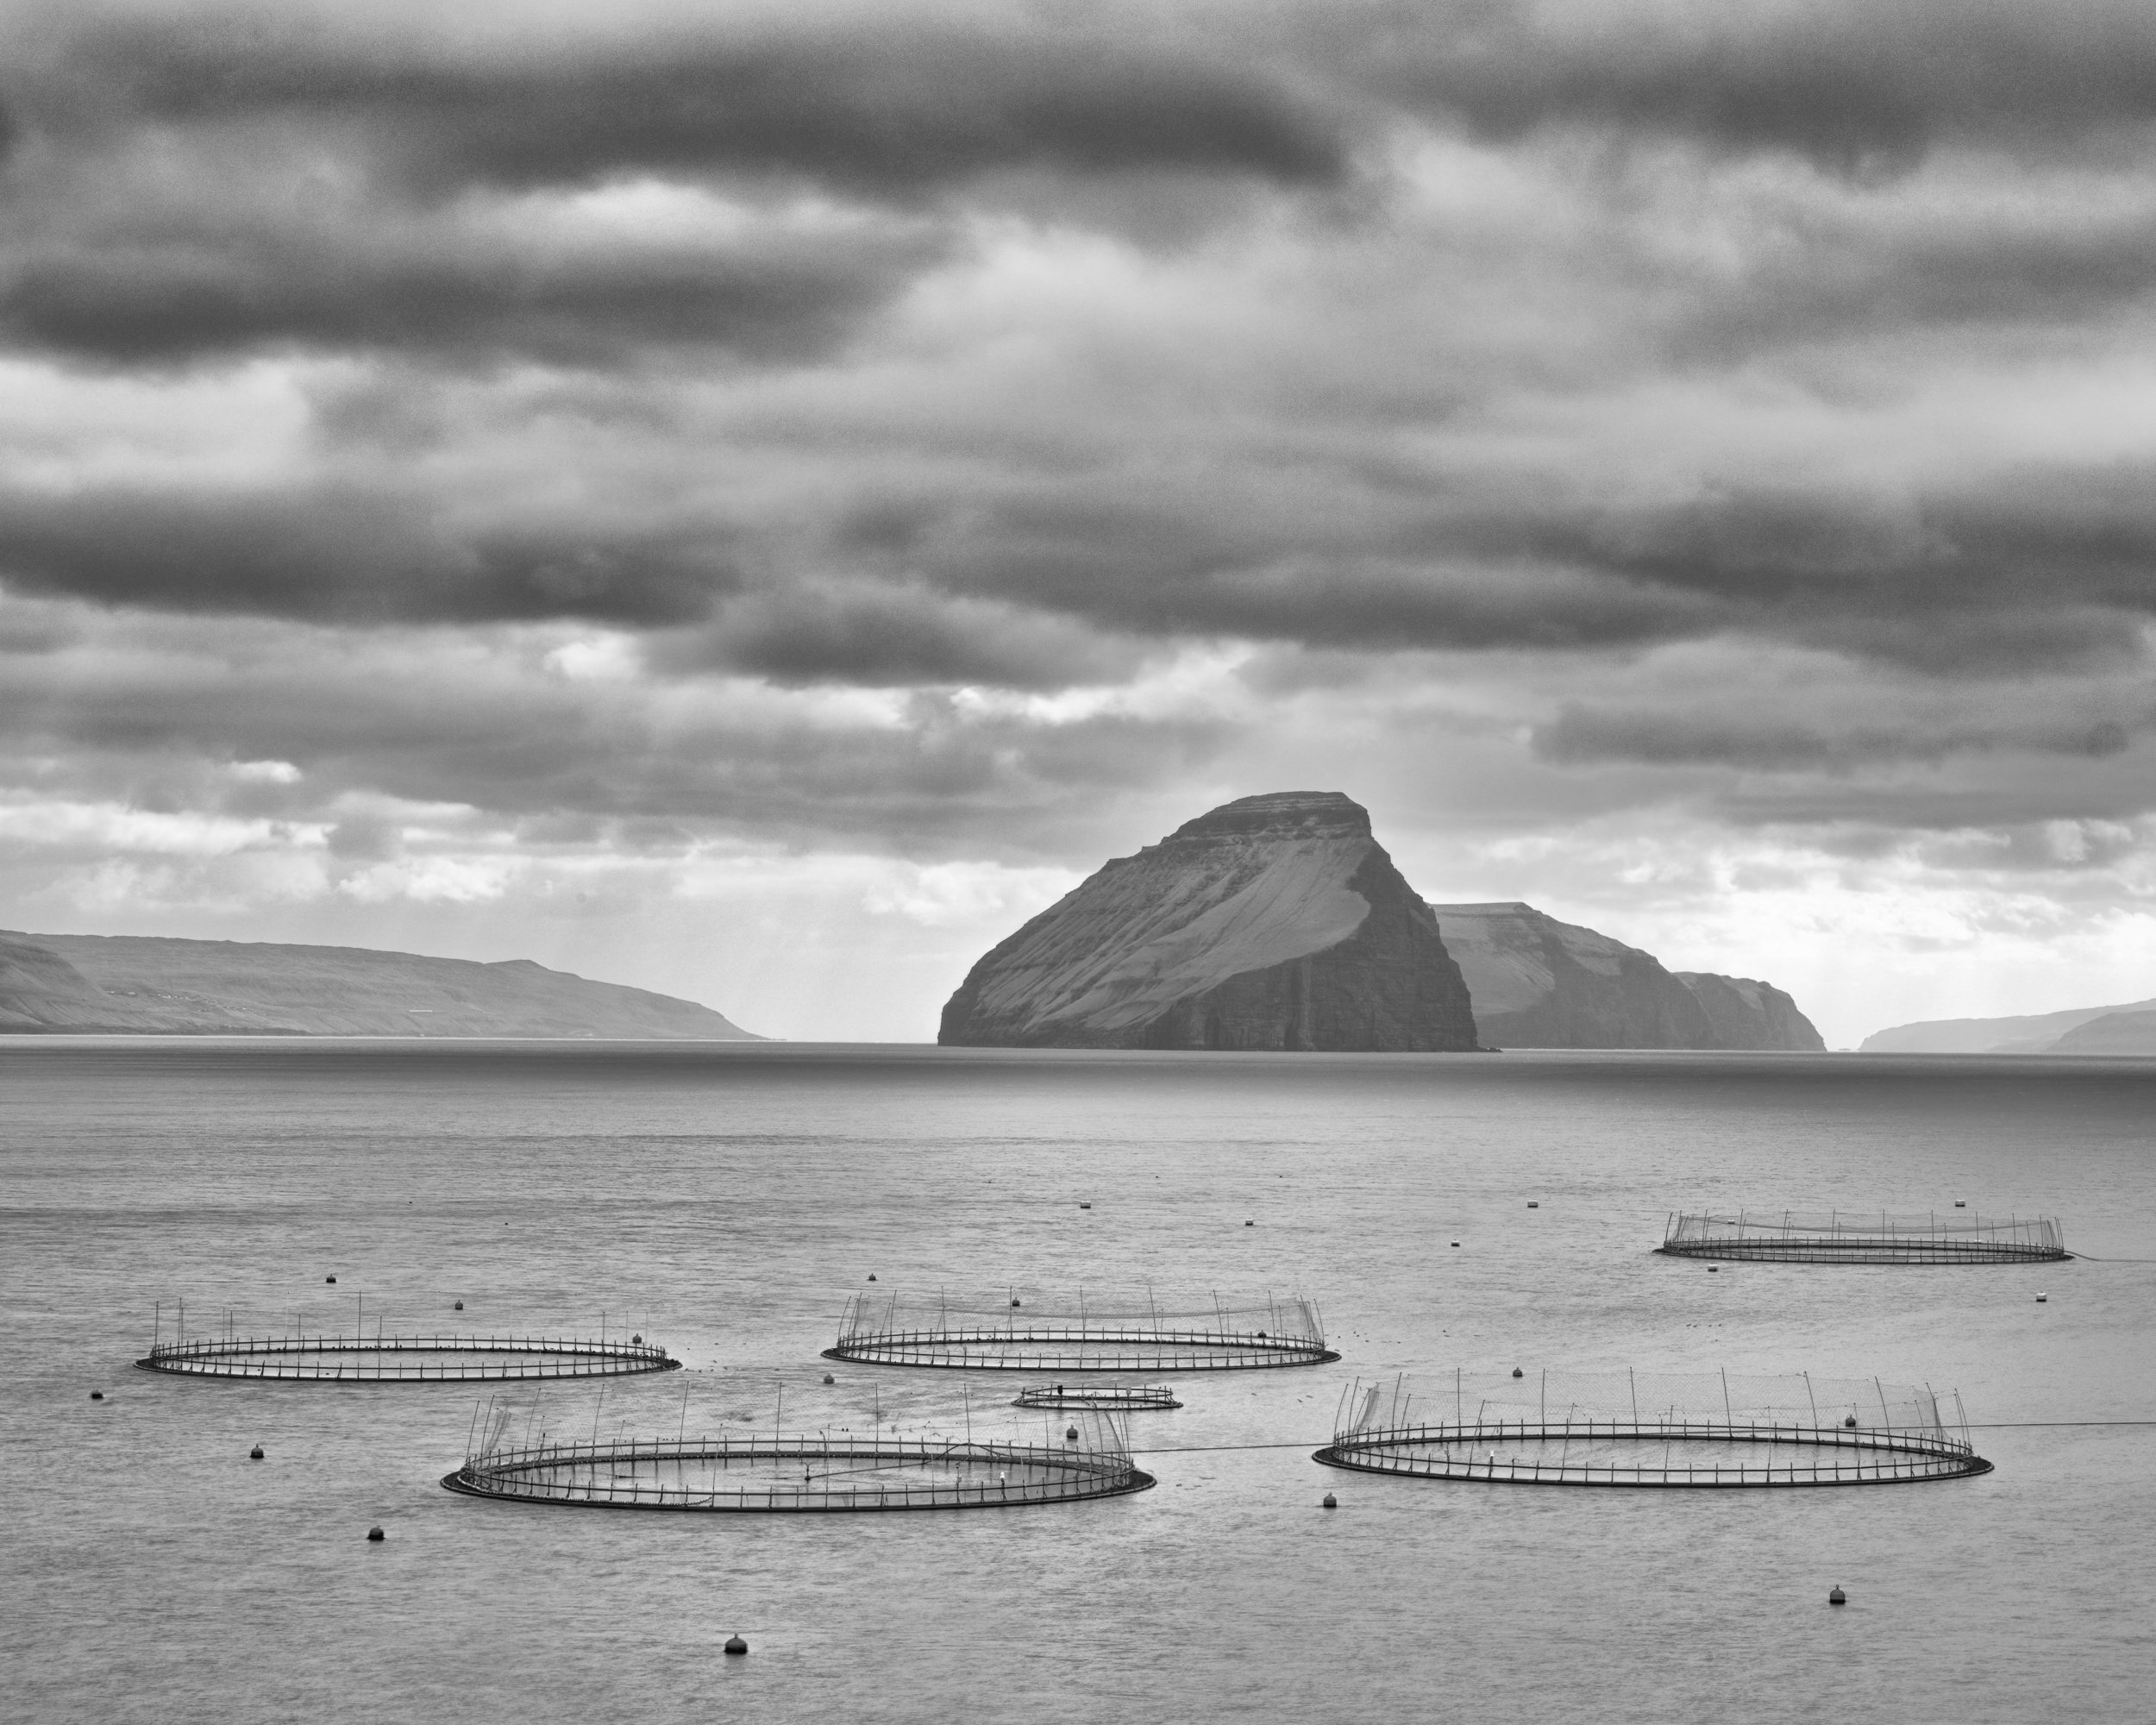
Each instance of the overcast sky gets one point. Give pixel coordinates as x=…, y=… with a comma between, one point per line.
x=756, y=501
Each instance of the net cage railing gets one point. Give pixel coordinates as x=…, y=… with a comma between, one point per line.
x=1117, y=1397
x=1008, y=1336
x=1694, y=1431
x=381, y=1359
x=1854, y=1237
x=773, y=1473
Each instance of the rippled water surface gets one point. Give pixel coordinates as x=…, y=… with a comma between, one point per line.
x=728, y=1200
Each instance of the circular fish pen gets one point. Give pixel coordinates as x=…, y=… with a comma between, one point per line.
x=1843, y=1238
x=402, y=1359
x=763, y=1473
x=1010, y=1338
x=1115, y=1398
x=1718, y=1434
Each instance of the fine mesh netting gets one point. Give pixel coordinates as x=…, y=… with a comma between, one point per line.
x=402, y=1359
x=1653, y=1429
x=1019, y=1332
x=1850, y=1237
x=831, y=1471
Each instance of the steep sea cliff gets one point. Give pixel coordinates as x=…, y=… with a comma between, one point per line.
x=1273, y=922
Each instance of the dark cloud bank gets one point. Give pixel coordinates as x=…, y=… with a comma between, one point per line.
x=729, y=358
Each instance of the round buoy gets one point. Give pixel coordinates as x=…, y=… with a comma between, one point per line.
x=255, y=1454
x=1070, y=1435
x=1836, y=1596
x=1850, y=1420
x=328, y=1279
x=1085, y=1207
x=1713, y=1270
x=1456, y=1242
x=827, y=1378
x=460, y=1305
x=1331, y=1501
x=2042, y=1298
x=872, y=1278
x=636, y=1341
x=96, y=1395
x=1534, y=1204
x=1961, y=1203
x=734, y=1645
x=1517, y=1372
x=1249, y=1225
x=375, y=1536
x=1016, y=1302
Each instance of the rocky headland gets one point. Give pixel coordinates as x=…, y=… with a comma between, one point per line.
x=144, y=984
x=1273, y=922
x=1537, y=983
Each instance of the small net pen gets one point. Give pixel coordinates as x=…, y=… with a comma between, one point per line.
x=1006, y=1337
x=772, y=1472
x=1705, y=1431
x=402, y=1359
x=1844, y=1237
x=1117, y=1398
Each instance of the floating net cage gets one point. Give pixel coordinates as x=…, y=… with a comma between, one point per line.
x=771, y=1472
x=390, y=1358
x=1116, y=1398
x=1840, y=1237
x=1705, y=1431
x=1008, y=1336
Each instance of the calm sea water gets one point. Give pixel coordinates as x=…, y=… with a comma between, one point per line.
x=728, y=1200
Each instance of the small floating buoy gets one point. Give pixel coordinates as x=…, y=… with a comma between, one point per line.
x=375, y=1536
x=1085, y=1207
x=255, y=1454
x=734, y=1645
x=1961, y=1203
x=1249, y=1225
x=1015, y=1302
x=96, y=1395
x=328, y=1279
x=636, y=1341
x=1331, y=1501
x=2041, y=1298
x=1456, y=1242
x=1836, y=1596
x=1533, y=1204
x=1517, y=1372
x=827, y=1378
x=1070, y=1435
x=1850, y=1420
x=1713, y=1270
x=460, y=1305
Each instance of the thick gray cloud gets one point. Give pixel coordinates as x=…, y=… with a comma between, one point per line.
x=985, y=384
x=349, y=554
x=1851, y=86
x=887, y=103
x=154, y=290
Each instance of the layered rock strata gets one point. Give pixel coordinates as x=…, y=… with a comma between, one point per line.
x=153, y=985
x=1537, y=983
x=1273, y=922
x=1743, y=1012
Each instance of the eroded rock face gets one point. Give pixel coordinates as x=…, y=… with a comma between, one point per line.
x=1743, y=1012
x=1273, y=922
x=1537, y=983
